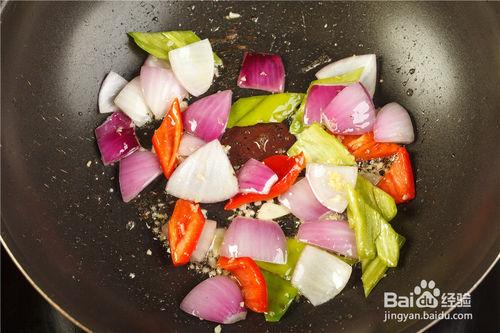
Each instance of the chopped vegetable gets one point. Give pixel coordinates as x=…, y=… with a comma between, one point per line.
x=160, y=88
x=318, y=98
x=205, y=241
x=217, y=242
x=368, y=63
x=364, y=147
x=263, y=72
x=137, y=171
x=241, y=107
x=320, y=147
x=116, y=138
x=287, y=169
x=376, y=198
x=216, y=299
x=159, y=44
x=280, y=295
x=258, y=239
x=184, y=229
x=193, y=66
x=393, y=124
x=271, y=109
x=189, y=144
x=111, y=86
x=206, y=176
x=152, y=61
x=320, y=276
x=256, y=177
x=330, y=184
x=271, y=211
x=167, y=137
x=297, y=124
x=302, y=202
x=334, y=236
x=350, y=112
x=207, y=117
x=374, y=270
x=398, y=180
x=131, y=101
x=294, y=249
x=251, y=280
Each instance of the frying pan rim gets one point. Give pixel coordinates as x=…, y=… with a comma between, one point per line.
x=3, y=6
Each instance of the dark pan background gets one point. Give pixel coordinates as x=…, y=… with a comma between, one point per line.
x=68, y=231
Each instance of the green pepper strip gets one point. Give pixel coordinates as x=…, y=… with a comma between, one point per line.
x=280, y=294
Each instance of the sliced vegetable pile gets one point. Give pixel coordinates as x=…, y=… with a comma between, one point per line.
x=344, y=209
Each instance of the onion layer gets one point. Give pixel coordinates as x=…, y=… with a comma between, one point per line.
x=131, y=101
x=205, y=176
x=320, y=276
x=330, y=184
x=258, y=239
x=318, y=98
x=160, y=88
x=263, y=72
x=152, y=61
x=189, y=144
x=204, y=242
x=393, y=124
x=110, y=87
x=137, y=171
x=207, y=117
x=335, y=236
x=367, y=61
x=351, y=112
x=302, y=202
x=193, y=66
x=216, y=299
x=256, y=177
x=116, y=138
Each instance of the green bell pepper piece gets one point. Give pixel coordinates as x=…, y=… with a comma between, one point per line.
x=271, y=109
x=160, y=44
x=376, y=198
x=297, y=124
x=294, y=249
x=374, y=270
x=319, y=146
x=280, y=294
x=241, y=107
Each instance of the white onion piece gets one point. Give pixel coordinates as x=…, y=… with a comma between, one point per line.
x=193, y=66
x=131, y=101
x=256, y=177
x=302, y=202
x=204, y=242
x=189, y=144
x=393, y=124
x=206, y=176
x=319, y=275
x=110, y=87
x=271, y=211
x=137, y=171
x=330, y=183
x=367, y=61
x=160, y=88
x=351, y=112
x=334, y=236
x=152, y=61
x=258, y=239
x=216, y=299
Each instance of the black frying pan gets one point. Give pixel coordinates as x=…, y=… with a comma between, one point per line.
x=68, y=232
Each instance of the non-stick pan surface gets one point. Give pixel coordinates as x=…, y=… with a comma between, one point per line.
x=70, y=231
